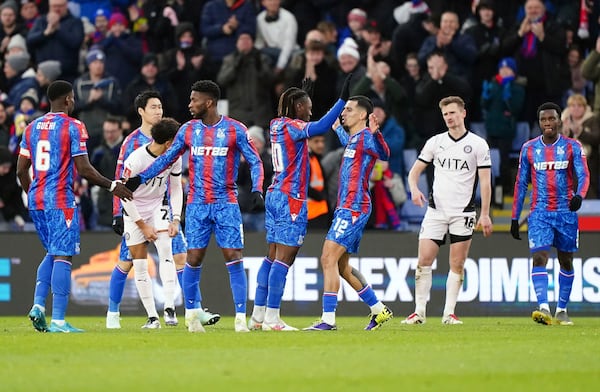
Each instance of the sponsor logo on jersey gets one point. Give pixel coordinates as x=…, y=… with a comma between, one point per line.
x=453, y=163
x=551, y=165
x=209, y=151
x=349, y=153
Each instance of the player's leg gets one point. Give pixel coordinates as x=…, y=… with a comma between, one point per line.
x=459, y=249
x=332, y=252
x=350, y=239
x=64, y=240
x=262, y=290
x=180, y=256
x=37, y=314
x=229, y=234
x=433, y=234
x=116, y=286
x=198, y=230
x=168, y=276
x=262, y=278
x=379, y=312
x=541, y=236
x=285, y=256
x=143, y=281
x=287, y=228
x=567, y=240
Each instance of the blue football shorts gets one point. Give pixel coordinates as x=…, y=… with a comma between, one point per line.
x=347, y=228
x=58, y=230
x=553, y=228
x=286, y=219
x=224, y=219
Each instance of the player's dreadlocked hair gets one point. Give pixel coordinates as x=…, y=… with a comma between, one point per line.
x=287, y=101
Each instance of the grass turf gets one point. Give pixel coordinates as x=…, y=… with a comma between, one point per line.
x=493, y=354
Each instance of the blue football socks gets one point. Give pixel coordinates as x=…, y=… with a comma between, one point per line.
x=116, y=287
x=61, y=288
x=239, y=284
x=262, y=282
x=277, y=278
x=42, y=282
x=191, y=286
x=539, y=277
x=565, y=283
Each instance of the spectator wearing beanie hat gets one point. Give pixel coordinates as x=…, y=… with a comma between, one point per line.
x=349, y=60
x=502, y=100
x=97, y=94
x=16, y=44
x=123, y=50
x=357, y=20
x=47, y=72
x=27, y=111
x=58, y=35
x=19, y=78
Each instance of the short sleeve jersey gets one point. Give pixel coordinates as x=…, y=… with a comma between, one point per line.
x=455, y=163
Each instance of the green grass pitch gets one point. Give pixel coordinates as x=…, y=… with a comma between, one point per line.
x=484, y=354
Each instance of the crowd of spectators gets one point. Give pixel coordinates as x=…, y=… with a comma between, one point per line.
x=504, y=58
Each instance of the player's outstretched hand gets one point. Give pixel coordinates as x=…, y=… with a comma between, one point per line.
x=575, y=203
x=258, y=202
x=514, y=229
x=133, y=183
x=345, y=94
x=122, y=191
x=117, y=224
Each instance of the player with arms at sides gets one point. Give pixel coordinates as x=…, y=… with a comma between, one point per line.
x=364, y=145
x=460, y=159
x=215, y=143
x=54, y=146
x=147, y=219
x=286, y=213
x=149, y=107
x=556, y=167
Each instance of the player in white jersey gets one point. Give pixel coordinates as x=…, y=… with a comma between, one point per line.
x=460, y=158
x=147, y=219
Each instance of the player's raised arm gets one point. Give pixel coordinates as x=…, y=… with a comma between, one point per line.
x=177, y=149
x=315, y=128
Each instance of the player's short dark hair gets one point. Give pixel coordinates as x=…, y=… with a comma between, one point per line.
x=141, y=100
x=207, y=87
x=549, y=106
x=58, y=89
x=287, y=100
x=164, y=130
x=452, y=99
x=363, y=102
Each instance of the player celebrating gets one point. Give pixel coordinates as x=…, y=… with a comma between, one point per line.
x=286, y=209
x=54, y=145
x=550, y=162
x=364, y=145
x=146, y=219
x=458, y=157
x=215, y=143
x=149, y=107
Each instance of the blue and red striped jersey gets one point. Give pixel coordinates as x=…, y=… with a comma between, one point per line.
x=553, y=171
x=131, y=143
x=213, y=159
x=50, y=142
x=289, y=149
x=361, y=152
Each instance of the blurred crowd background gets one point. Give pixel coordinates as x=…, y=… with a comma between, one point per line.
x=504, y=58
